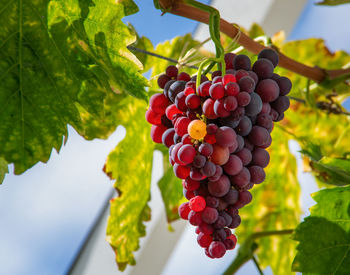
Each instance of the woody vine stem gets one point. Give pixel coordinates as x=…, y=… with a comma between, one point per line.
x=190, y=9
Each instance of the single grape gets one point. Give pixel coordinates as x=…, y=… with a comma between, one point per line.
x=247, y=84
x=209, y=215
x=204, y=240
x=206, y=228
x=231, y=197
x=197, y=203
x=220, y=154
x=217, y=79
x=215, y=74
x=181, y=126
x=196, y=174
x=218, y=173
x=171, y=111
x=225, y=136
x=171, y=71
x=244, y=127
x=230, y=103
x=263, y=68
x=197, y=129
x=212, y=201
x=255, y=105
x=269, y=54
x=199, y=161
x=219, y=235
x=242, y=179
x=222, y=205
x=181, y=171
x=184, y=210
x=243, y=99
x=208, y=169
x=167, y=87
x=264, y=120
x=186, y=139
x=260, y=157
x=233, y=166
x=195, y=218
x=229, y=122
x=228, y=78
x=257, y=174
x=162, y=80
x=193, y=101
x=240, y=143
x=268, y=90
x=238, y=113
x=175, y=88
x=190, y=184
x=212, y=128
x=217, y=91
x=158, y=103
x=254, y=76
x=245, y=155
x=208, y=109
x=167, y=137
x=153, y=117
x=219, y=108
x=220, y=222
x=232, y=89
x=236, y=221
x=229, y=244
x=284, y=84
x=157, y=132
x=241, y=73
x=229, y=60
x=188, y=194
x=241, y=61
x=183, y=76
x=180, y=101
x=281, y=104
x=258, y=136
x=186, y=153
x=220, y=187
x=206, y=149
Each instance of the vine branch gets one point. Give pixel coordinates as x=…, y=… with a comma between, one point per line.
x=314, y=73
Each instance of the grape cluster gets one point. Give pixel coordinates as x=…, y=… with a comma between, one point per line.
x=217, y=135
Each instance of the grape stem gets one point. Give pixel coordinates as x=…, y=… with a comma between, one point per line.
x=255, y=260
x=314, y=73
x=249, y=246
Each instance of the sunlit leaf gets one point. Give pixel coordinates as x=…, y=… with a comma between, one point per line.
x=129, y=164
x=3, y=169
x=324, y=239
x=275, y=206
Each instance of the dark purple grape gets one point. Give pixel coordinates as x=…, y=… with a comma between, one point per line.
x=230, y=103
x=284, y=84
x=245, y=155
x=194, y=218
x=231, y=197
x=266, y=108
x=229, y=60
x=208, y=169
x=220, y=187
x=209, y=215
x=229, y=244
x=245, y=197
x=213, y=201
x=274, y=114
x=257, y=174
x=280, y=117
x=222, y=205
x=167, y=137
x=275, y=76
x=202, y=191
x=241, y=61
x=268, y=90
x=166, y=122
x=167, y=86
x=195, y=174
x=255, y=105
x=248, y=144
x=219, y=234
x=260, y=157
x=203, y=78
x=231, y=210
x=227, y=218
x=180, y=101
x=215, y=74
x=254, y=76
x=229, y=122
x=199, y=161
x=225, y=136
x=264, y=120
x=206, y=228
x=269, y=54
x=176, y=88
x=205, y=149
x=162, y=80
x=171, y=71
x=217, y=174
x=220, y=222
x=244, y=127
x=281, y=104
x=236, y=221
x=233, y=166
x=263, y=68
x=258, y=136
x=242, y=179
x=243, y=99
x=239, y=112
x=247, y=84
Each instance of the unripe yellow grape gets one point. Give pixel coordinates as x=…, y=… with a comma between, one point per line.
x=197, y=129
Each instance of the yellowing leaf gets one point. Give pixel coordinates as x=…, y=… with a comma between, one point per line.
x=130, y=165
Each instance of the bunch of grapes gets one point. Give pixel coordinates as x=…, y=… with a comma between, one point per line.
x=217, y=135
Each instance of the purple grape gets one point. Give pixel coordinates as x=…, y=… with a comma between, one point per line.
x=245, y=197
x=244, y=127
x=268, y=90
x=281, y=104
x=245, y=155
x=213, y=201
x=176, y=88
x=230, y=103
x=217, y=249
x=233, y=166
x=269, y=54
x=220, y=222
x=209, y=215
x=264, y=120
x=232, y=211
x=206, y=149
x=166, y=87
x=260, y=157
x=258, y=136
x=239, y=112
x=240, y=143
x=257, y=174
x=255, y=105
x=229, y=122
x=284, y=84
x=219, y=108
x=227, y=218
x=219, y=235
x=263, y=68
x=225, y=136
x=217, y=175
x=254, y=76
x=236, y=221
x=194, y=218
x=231, y=197
x=220, y=187
x=243, y=99
x=222, y=205
x=199, y=161
x=247, y=84
x=242, y=179
x=241, y=61
x=208, y=169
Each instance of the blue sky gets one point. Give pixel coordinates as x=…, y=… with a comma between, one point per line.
x=46, y=212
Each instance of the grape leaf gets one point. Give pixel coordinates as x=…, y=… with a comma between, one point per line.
x=130, y=164
x=324, y=239
x=328, y=170
x=3, y=169
x=333, y=2
x=275, y=206
x=171, y=189
x=46, y=72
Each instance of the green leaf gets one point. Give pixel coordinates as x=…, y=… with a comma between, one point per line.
x=275, y=206
x=130, y=165
x=3, y=169
x=156, y=4
x=171, y=189
x=324, y=237
x=57, y=58
x=333, y=2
